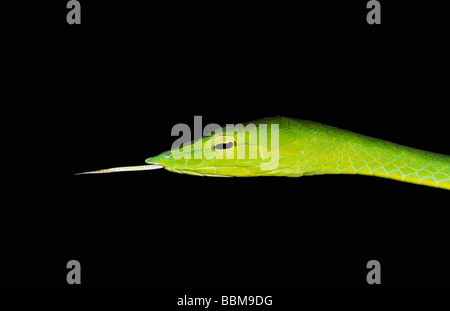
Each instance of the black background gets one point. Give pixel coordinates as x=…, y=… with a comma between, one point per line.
x=107, y=92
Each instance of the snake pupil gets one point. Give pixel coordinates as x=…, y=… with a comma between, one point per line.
x=228, y=145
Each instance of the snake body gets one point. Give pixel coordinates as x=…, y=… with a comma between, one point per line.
x=303, y=148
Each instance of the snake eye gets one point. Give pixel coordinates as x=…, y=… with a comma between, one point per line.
x=224, y=143
x=168, y=156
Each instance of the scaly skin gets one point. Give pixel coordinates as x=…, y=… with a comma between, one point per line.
x=311, y=148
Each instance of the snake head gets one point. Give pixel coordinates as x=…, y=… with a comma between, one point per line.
x=243, y=150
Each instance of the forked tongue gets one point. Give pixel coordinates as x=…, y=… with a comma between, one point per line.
x=125, y=169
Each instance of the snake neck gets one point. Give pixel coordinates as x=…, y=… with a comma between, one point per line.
x=329, y=150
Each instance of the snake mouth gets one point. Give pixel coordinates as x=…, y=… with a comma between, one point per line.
x=151, y=161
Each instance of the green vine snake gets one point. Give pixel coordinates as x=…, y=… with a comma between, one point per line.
x=304, y=148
